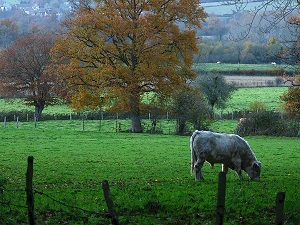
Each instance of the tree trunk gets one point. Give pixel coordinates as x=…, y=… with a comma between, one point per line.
x=39, y=106
x=136, y=125
x=181, y=124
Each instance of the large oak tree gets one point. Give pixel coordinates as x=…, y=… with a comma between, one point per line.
x=23, y=71
x=114, y=51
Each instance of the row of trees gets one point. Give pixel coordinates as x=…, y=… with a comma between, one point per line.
x=109, y=55
x=245, y=52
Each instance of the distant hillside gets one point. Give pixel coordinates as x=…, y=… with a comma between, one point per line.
x=223, y=8
x=12, y=1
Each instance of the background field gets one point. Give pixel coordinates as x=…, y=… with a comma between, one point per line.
x=233, y=67
x=148, y=174
x=241, y=99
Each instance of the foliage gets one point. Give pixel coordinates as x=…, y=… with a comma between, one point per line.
x=291, y=100
x=215, y=89
x=257, y=106
x=8, y=32
x=115, y=51
x=148, y=175
x=267, y=123
x=24, y=71
x=190, y=106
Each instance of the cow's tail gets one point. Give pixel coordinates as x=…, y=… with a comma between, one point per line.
x=193, y=153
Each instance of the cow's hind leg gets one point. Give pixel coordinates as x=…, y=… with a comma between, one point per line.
x=198, y=169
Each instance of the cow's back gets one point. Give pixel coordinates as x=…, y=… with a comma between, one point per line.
x=218, y=148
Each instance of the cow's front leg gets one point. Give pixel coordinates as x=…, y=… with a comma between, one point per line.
x=198, y=169
x=239, y=173
x=238, y=167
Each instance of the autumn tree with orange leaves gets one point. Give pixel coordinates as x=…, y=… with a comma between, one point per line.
x=23, y=71
x=114, y=51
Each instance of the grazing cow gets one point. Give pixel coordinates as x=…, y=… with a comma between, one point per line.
x=230, y=150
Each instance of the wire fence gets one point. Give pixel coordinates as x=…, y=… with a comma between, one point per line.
x=258, y=123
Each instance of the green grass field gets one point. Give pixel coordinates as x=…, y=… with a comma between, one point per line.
x=241, y=99
x=148, y=175
x=233, y=67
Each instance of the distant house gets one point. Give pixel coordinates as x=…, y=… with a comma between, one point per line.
x=26, y=8
x=5, y=7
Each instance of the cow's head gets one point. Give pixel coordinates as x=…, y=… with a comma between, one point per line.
x=254, y=171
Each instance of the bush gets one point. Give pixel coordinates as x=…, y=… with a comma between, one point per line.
x=268, y=123
x=257, y=106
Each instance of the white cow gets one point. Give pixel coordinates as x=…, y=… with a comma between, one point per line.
x=230, y=150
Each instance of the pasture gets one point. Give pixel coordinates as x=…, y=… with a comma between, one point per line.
x=234, y=67
x=240, y=100
x=243, y=97
x=148, y=174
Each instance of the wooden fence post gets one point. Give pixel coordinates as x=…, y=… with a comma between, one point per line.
x=109, y=203
x=29, y=192
x=4, y=121
x=279, y=208
x=221, y=199
x=83, y=122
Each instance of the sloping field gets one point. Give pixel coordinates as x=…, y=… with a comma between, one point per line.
x=243, y=97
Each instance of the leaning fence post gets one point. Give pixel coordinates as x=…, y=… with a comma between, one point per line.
x=29, y=192
x=279, y=208
x=109, y=203
x=221, y=199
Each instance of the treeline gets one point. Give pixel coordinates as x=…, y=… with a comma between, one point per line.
x=244, y=53
x=247, y=72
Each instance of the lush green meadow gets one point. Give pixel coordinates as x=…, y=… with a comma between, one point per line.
x=148, y=175
x=241, y=99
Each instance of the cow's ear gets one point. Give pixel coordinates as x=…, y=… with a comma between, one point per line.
x=256, y=165
x=259, y=164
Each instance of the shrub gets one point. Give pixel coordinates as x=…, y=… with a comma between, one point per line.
x=257, y=106
x=268, y=123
